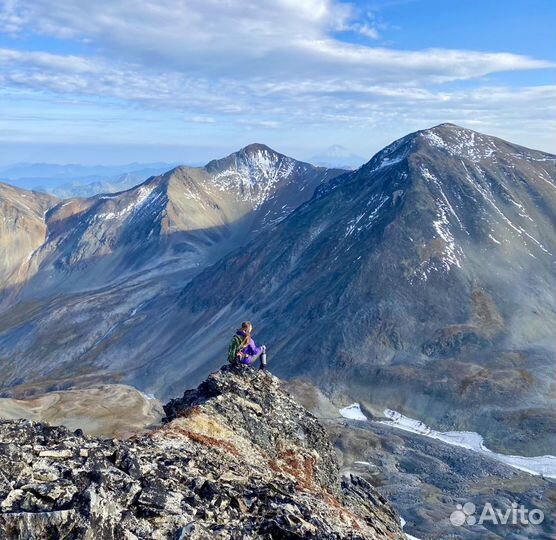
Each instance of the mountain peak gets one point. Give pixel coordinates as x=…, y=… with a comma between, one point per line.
x=451, y=140
x=462, y=142
x=241, y=459
x=445, y=126
x=471, y=143
x=337, y=156
x=256, y=147
x=252, y=156
x=448, y=130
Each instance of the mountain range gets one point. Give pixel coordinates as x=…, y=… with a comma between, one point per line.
x=104, y=268
x=422, y=281
x=67, y=181
x=182, y=219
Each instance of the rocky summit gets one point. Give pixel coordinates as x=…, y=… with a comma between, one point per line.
x=236, y=458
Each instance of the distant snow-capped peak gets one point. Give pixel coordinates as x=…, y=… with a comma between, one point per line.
x=337, y=156
x=337, y=151
x=254, y=173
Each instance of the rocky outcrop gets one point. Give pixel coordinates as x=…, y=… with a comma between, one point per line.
x=237, y=458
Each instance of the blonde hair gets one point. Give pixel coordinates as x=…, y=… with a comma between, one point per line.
x=247, y=327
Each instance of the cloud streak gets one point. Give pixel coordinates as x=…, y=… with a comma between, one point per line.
x=270, y=64
x=270, y=38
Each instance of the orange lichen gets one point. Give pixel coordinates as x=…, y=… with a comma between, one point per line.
x=301, y=468
x=189, y=412
x=341, y=511
x=208, y=441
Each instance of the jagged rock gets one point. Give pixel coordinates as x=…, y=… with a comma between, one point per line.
x=237, y=458
x=56, y=454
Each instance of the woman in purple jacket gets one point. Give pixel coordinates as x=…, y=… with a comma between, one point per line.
x=249, y=352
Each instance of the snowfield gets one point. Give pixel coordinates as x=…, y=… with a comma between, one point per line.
x=353, y=412
x=408, y=536
x=538, y=465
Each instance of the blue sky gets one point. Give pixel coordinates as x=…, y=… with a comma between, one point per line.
x=114, y=81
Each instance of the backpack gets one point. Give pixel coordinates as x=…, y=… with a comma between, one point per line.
x=234, y=349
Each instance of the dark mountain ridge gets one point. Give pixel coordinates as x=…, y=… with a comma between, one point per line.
x=421, y=282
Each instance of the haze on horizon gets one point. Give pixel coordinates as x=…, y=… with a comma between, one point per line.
x=143, y=80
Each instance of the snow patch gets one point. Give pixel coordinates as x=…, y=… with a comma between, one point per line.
x=388, y=162
x=474, y=146
x=371, y=216
x=143, y=194
x=442, y=228
x=364, y=464
x=388, y=157
x=487, y=195
x=353, y=412
x=494, y=239
x=451, y=252
x=408, y=536
x=254, y=176
x=539, y=465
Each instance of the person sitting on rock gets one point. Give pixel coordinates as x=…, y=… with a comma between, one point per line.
x=243, y=350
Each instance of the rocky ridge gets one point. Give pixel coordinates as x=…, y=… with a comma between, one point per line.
x=237, y=458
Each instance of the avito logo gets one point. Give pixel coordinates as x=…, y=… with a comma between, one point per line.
x=466, y=514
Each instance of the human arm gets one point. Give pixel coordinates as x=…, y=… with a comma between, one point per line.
x=252, y=352
x=252, y=349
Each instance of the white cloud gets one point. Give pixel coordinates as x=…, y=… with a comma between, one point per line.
x=273, y=124
x=368, y=31
x=262, y=65
x=48, y=61
x=284, y=103
x=268, y=38
x=202, y=120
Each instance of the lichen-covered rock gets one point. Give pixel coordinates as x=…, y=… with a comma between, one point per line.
x=237, y=458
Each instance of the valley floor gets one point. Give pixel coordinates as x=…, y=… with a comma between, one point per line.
x=426, y=474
